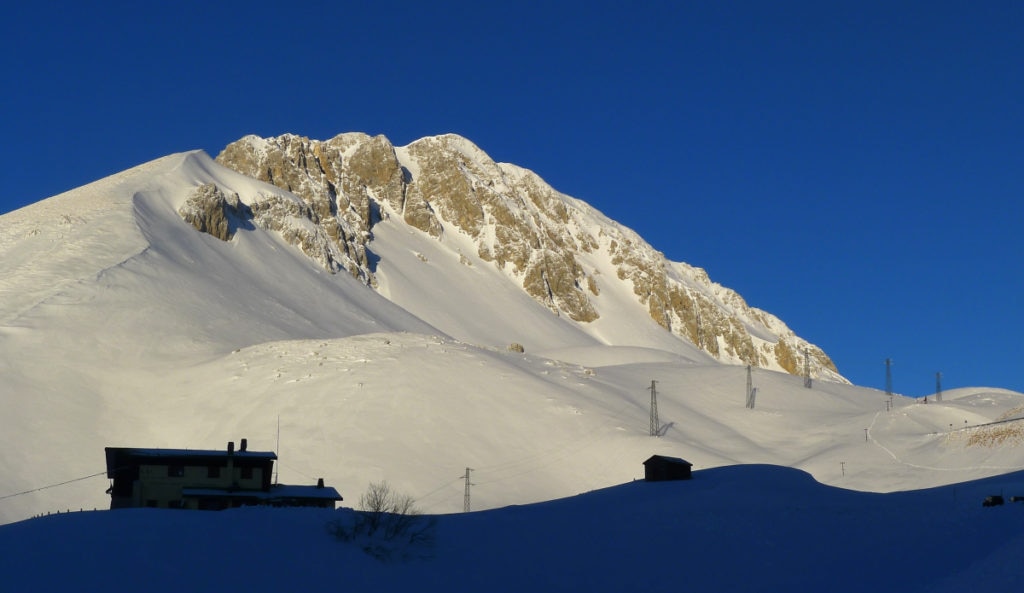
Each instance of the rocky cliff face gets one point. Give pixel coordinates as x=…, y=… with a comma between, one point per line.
x=543, y=240
x=211, y=211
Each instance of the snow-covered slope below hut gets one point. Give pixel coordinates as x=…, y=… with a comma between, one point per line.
x=743, y=528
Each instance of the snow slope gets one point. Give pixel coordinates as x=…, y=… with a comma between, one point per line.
x=120, y=325
x=739, y=528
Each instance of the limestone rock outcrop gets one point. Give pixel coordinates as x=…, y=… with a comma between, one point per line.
x=212, y=211
x=543, y=240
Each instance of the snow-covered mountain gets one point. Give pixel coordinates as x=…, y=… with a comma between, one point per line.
x=501, y=218
x=406, y=313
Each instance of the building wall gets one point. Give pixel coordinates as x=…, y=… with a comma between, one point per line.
x=155, y=485
x=658, y=470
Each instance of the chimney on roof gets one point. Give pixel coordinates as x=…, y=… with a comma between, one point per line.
x=231, y=447
x=242, y=446
x=319, y=482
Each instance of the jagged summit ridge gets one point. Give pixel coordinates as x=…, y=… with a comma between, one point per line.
x=559, y=250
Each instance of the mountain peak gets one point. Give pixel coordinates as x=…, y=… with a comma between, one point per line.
x=564, y=254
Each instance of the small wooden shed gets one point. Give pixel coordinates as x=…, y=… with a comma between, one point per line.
x=660, y=468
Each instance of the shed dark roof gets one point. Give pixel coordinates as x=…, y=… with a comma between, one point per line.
x=667, y=459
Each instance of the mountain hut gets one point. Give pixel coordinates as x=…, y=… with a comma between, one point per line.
x=660, y=468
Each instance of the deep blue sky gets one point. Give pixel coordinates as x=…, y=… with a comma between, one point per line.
x=855, y=168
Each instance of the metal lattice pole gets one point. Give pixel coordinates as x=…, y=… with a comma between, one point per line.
x=751, y=390
x=465, y=499
x=888, y=376
x=655, y=423
x=807, y=369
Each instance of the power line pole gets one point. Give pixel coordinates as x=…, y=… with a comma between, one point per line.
x=750, y=383
x=888, y=376
x=700, y=332
x=751, y=390
x=807, y=369
x=465, y=499
x=938, y=387
x=655, y=423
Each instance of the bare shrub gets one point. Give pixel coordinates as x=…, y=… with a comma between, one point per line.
x=387, y=524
